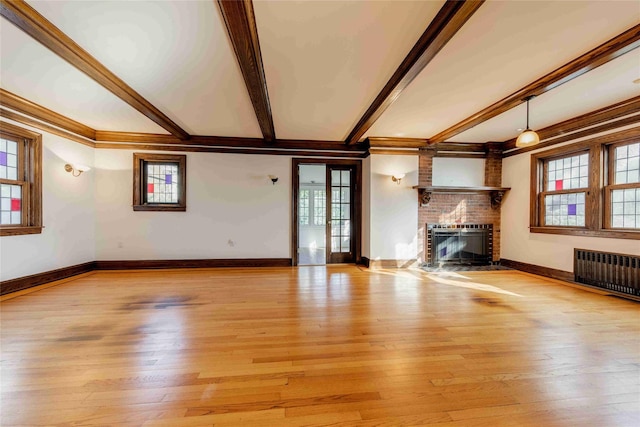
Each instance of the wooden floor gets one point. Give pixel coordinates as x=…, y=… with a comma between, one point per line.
x=316, y=346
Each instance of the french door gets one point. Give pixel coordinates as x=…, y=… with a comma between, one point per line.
x=340, y=210
x=340, y=215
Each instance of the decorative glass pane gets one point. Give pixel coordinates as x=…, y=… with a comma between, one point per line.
x=10, y=204
x=319, y=207
x=8, y=159
x=627, y=164
x=303, y=207
x=565, y=209
x=625, y=208
x=568, y=173
x=162, y=183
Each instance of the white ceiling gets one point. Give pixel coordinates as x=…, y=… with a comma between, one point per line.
x=325, y=62
x=495, y=54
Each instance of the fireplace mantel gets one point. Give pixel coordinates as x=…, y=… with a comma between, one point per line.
x=496, y=193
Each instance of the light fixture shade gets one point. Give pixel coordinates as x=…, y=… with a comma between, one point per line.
x=527, y=138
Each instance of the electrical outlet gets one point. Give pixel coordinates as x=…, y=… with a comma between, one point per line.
x=120, y=245
x=231, y=243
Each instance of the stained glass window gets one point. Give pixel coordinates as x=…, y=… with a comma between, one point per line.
x=20, y=181
x=566, y=181
x=565, y=209
x=159, y=182
x=8, y=159
x=10, y=204
x=568, y=173
x=162, y=183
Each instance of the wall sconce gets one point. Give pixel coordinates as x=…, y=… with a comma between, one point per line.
x=76, y=170
x=397, y=178
x=273, y=179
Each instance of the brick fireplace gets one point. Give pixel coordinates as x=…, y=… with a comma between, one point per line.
x=459, y=208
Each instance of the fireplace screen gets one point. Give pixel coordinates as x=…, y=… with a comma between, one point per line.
x=460, y=244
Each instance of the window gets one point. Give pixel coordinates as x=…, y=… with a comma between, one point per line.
x=566, y=183
x=312, y=207
x=623, y=192
x=159, y=182
x=303, y=211
x=20, y=181
x=319, y=207
x=591, y=188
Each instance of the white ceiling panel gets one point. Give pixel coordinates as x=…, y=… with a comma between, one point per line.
x=502, y=48
x=32, y=71
x=606, y=85
x=176, y=54
x=325, y=61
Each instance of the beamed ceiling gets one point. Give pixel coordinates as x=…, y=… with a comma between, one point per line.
x=336, y=76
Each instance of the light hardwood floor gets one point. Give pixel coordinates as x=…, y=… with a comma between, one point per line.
x=316, y=346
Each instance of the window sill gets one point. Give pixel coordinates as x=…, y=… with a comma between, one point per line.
x=18, y=231
x=160, y=208
x=609, y=234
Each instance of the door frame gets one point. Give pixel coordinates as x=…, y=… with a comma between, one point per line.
x=295, y=182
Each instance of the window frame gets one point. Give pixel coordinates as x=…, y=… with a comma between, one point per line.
x=140, y=160
x=30, y=174
x=597, y=206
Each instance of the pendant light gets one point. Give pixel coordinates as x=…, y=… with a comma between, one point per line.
x=527, y=137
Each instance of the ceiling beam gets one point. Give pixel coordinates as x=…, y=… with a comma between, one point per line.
x=451, y=17
x=37, y=26
x=17, y=103
x=241, y=27
x=602, y=54
x=611, y=112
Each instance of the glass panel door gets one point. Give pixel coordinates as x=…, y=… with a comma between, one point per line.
x=341, y=210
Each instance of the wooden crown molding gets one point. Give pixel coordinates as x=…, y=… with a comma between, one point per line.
x=451, y=17
x=45, y=127
x=241, y=27
x=602, y=54
x=613, y=116
x=377, y=141
x=37, y=26
x=17, y=103
x=231, y=150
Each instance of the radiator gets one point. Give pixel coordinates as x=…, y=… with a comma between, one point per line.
x=615, y=272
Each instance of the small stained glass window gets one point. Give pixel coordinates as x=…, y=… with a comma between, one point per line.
x=8, y=159
x=162, y=183
x=565, y=209
x=568, y=173
x=159, y=182
x=10, y=204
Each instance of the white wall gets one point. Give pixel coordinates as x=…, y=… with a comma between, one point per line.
x=67, y=214
x=393, y=210
x=457, y=172
x=547, y=250
x=233, y=210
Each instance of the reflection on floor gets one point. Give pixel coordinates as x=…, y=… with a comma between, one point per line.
x=312, y=256
x=452, y=267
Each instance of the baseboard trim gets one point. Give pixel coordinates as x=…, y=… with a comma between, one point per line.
x=390, y=263
x=192, y=263
x=26, y=282
x=539, y=270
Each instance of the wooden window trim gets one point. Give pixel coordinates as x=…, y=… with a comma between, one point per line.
x=30, y=170
x=597, y=206
x=139, y=202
